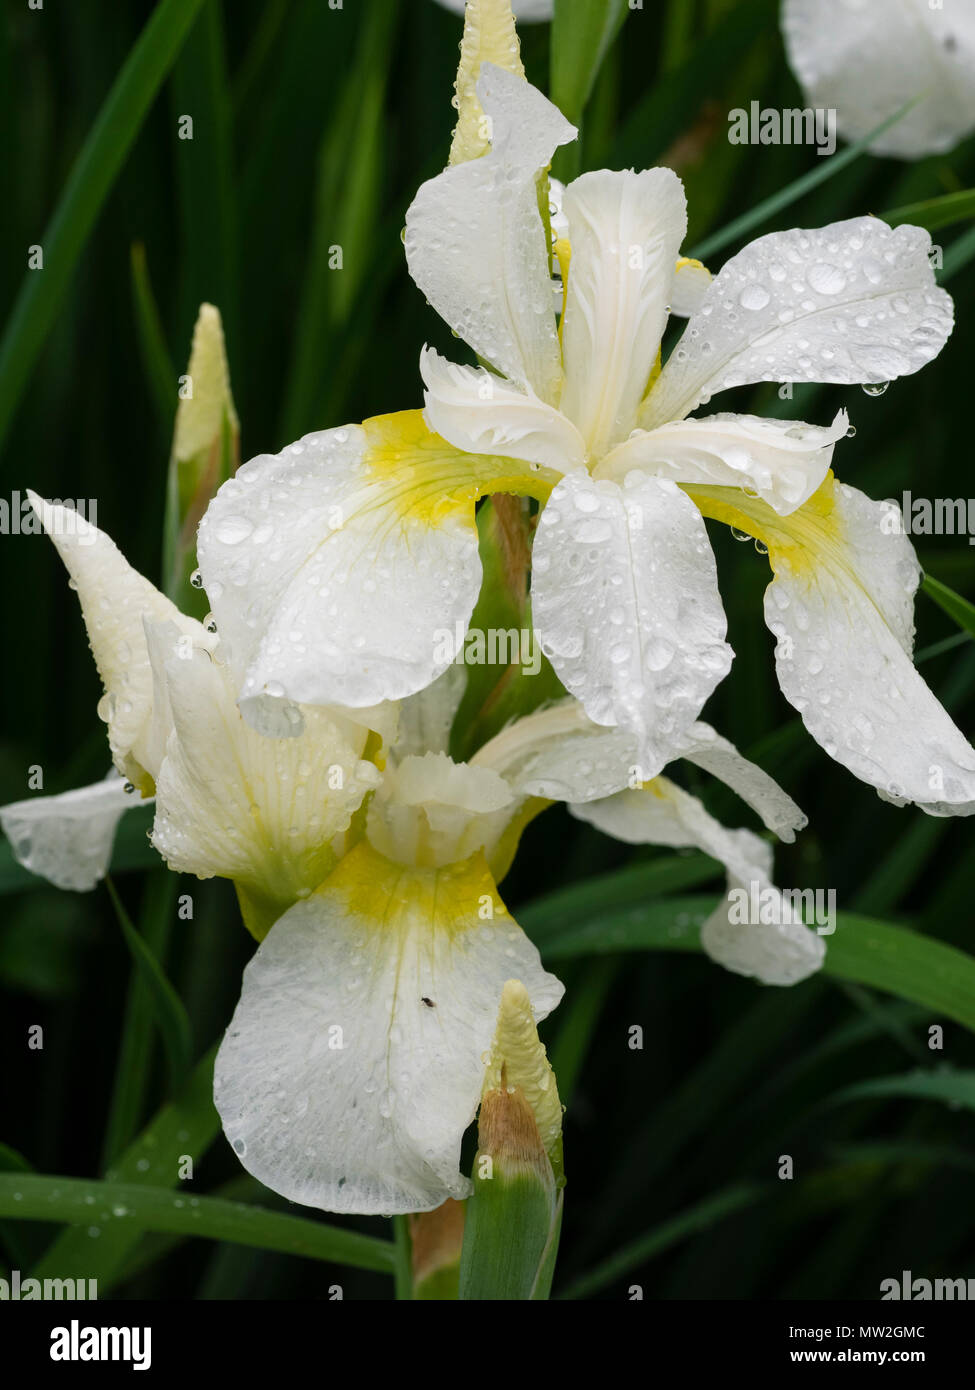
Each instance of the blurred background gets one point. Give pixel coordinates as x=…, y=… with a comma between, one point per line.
x=312, y=127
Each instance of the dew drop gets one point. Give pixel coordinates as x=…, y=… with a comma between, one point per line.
x=754, y=297
x=874, y=388
x=231, y=530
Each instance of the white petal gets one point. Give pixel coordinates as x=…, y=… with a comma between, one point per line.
x=560, y=754
x=783, y=461
x=842, y=609
x=716, y=755
x=852, y=302
x=844, y=623
x=337, y=1084
x=480, y=412
x=691, y=283
x=625, y=231
x=475, y=242
x=234, y=803
x=68, y=839
x=114, y=601
x=780, y=952
x=869, y=57
x=333, y=566
x=426, y=718
x=625, y=601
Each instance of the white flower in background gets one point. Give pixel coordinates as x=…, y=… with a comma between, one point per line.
x=867, y=58
x=355, y=1059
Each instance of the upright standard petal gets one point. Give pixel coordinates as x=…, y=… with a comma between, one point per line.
x=475, y=241
x=68, y=839
x=332, y=566
x=480, y=412
x=867, y=58
x=777, y=948
x=841, y=607
x=852, y=302
x=782, y=461
x=115, y=599
x=354, y=1061
x=625, y=230
x=233, y=803
x=625, y=601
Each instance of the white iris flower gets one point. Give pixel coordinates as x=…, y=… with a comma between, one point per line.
x=624, y=589
x=366, y=862
x=360, y=542
x=867, y=58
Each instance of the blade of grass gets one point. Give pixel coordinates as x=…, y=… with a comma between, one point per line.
x=159, y=369
x=577, y=1020
x=548, y=919
x=672, y=103
x=182, y=1130
x=347, y=202
x=665, y=1236
x=935, y=212
x=766, y=209
x=958, y=609
x=958, y=255
x=104, y=1205
x=955, y=1088
x=94, y=172
x=862, y=950
x=156, y=1000
x=205, y=175
x=582, y=31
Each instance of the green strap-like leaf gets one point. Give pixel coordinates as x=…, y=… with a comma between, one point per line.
x=954, y=1088
x=104, y=1205
x=166, y=1005
x=894, y=959
x=935, y=212
x=793, y=191
x=102, y=155
x=182, y=1130
x=582, y=31
x=957, y=608
x=669, y=1233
